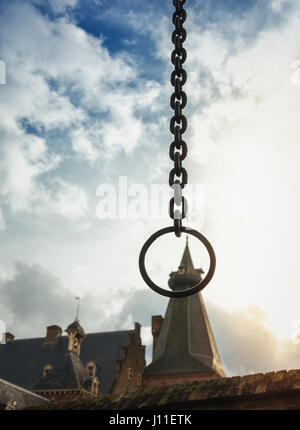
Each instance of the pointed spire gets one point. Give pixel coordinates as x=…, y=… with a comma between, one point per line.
x=186, y=260
x=184, y=343
x=186, y=276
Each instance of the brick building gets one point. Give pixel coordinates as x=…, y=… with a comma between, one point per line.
x=107, y=370
x=77, y=365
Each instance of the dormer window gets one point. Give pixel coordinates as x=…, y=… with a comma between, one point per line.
x=47, y=369
x=130, y=373
x=76, y=336
x=75, y=344
x=181, y=270
x=91, y=369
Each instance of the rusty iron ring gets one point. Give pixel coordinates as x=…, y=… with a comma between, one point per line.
x=184, y=293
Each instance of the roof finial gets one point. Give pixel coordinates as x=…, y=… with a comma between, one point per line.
x=187, y=240
x=78, y=308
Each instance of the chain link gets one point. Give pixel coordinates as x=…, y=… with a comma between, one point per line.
x=178, y=177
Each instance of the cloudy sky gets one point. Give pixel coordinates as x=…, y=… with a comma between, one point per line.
x=86, y=101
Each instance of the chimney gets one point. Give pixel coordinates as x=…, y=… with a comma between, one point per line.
x=137, y=327
x=135, y=336
x=53, y=331
x=157, y=321
x=9, y=337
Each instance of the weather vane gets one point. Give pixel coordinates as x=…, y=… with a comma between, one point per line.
x=178, y=176
x=78, y=308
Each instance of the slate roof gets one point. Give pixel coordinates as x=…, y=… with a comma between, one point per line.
x=23, y=398
x=22, y=361
x=68, y=373
x=75, y=327
x=185, y=343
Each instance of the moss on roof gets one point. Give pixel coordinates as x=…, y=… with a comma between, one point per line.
x=197, y=395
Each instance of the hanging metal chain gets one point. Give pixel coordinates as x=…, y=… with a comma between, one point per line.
x=178, y=123
x=178, y=175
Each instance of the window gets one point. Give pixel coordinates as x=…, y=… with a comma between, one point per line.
x=47, y=369
x=130, y=373
x=91, y=369
x=139, y=379
x=181, y=270
x=95, y=386
x=75, y=344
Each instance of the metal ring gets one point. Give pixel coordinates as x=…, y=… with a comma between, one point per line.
x=183, y=293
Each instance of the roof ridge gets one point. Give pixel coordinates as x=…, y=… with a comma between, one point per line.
x=3, y=381
x=112, y=331
x=64, y=336
x=24, y=339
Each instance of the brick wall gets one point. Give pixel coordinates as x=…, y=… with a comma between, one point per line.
x=176, y=379
x=130, y=368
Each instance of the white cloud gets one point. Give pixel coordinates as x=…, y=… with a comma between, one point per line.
x=23, y=159
x=245, y=129
x=60, y=79
x=247, y=345
x=69, y=201
x=147, y=340
x=277, y=5
x=61, y=5
x=32, y=298
x=57, y=6
x=2, y=221
x=243, y=125
x=82, y=144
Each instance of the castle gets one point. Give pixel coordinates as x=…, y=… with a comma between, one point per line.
x=79, y=365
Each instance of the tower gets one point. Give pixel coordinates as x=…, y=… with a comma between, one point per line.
x=184, y=348
x=76, y=335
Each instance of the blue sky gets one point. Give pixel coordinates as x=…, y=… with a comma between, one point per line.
x=87, y=101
